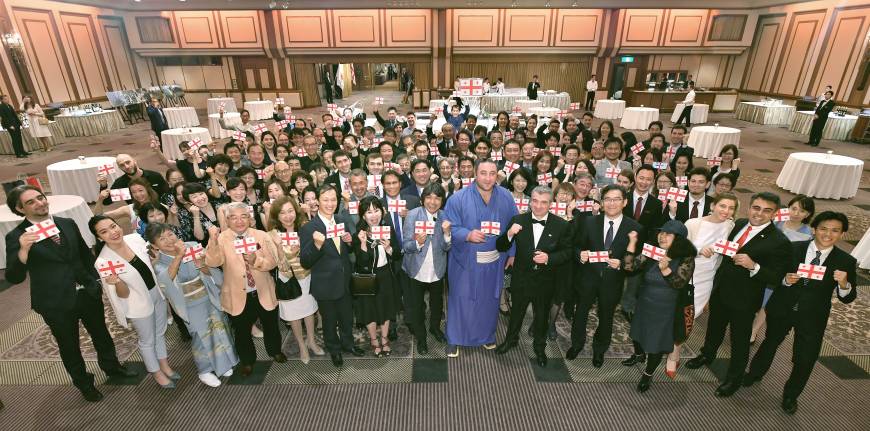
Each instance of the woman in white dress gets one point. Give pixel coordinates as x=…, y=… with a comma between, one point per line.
x=703, y=232
x=36, y=118
x=286, y=216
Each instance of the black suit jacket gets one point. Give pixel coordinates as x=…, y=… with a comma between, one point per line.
x=823, y=110
x=650, y=216
x=528, y=277
x=590, y=236
x=330, y=271
x=54, y=269
x=771, y=250
x=8, y=117
x=683, y=210
x=814, y=299
x=532, y=90
x=158, y=119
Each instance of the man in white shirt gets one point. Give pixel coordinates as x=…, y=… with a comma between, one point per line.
x=688, y=103
x=591, y=88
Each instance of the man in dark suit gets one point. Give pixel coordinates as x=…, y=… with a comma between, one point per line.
x=532, y=88
x=64, y=287
x=678, y=143
x=820, y=118
x=697, y=203
x=738, y=287
x=421, y=174
x=645, y=209
x=10, y=121
x=329, y=262
x=341, y=178
x=543, y=243
x=391, y=181
x=805, y=304
x=601, y=282
x=158, y=119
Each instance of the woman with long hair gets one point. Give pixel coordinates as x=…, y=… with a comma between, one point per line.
x=140, y=193
x=38, y=122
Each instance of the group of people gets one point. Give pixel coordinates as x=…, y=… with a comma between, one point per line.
x=37, y=124
x=355, y=225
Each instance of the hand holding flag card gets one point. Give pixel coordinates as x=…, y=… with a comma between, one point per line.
x=353, y=207
x=108, y=268
x=335, y=232
x=44, y=229
x=120, y=194
x=106, y=170
x=714, y=161
x=653, y=252
x=380, y=232
x=425, y=227
x=598, y=256
x=725, y=247
x=814, y=272
x=490, y=227
x=191, y=253
x=245, y=245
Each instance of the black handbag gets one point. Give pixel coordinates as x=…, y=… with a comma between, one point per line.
x=287, y=290
x=365, y=284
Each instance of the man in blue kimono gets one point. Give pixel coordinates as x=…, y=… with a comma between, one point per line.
x=475, y=268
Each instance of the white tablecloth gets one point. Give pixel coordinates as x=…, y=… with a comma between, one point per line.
x=182, y=116
x=709, y=140
x=439, y=103
x=214, y=125
x=762, y=113
x=637, y=118
x=172, y=137
x=862, y=251
x=68, y=206
x=836, y=127
x=261, y=109
x=494, y=103
x=544, y=111
x=215, y=102
x=699, y=113
x=94, y=123
x=609, y=109
x=526, y=105
x=31, y=143
x=72, y=177
x=821, y=175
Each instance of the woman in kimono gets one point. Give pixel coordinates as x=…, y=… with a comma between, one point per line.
x=193, y=289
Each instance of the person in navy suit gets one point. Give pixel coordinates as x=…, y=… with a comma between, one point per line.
x=820, y=117
x=158, y=119
x=425, y=263
x=804, y=304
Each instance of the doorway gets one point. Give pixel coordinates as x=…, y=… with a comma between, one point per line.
x=256, y=73
x=617, y=80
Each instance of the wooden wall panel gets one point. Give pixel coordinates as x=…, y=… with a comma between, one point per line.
x=763, y=53
x=306, y=79
x=143, y=28
x=305, y=28
x=795, y=58
x=527, y=27
x=475, y=27
x=578, y=27
x=197, y=29
x=84, y=56
x=686, y=27
x=241, y=28
x=356, y=28
x=839, y=64
x=642, y=27
x=44, y=55
x=562, y=73
x=408, y=27
x=119, y=57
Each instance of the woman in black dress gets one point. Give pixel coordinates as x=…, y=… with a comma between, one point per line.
x=653, y=325
x=379, y=309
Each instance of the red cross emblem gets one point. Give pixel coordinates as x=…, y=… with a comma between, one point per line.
x=782, y=215
x=260, y=128
x=497, y=156
x=353, y=207
x=575, y=105
x=332, y=106
x=637, y=148
x=261, y=174
x=653, y=252
x=670, y=153
x=555, y=151
x=467, y=182
x=682, y=181
x=192, y=253
x=544, y=179
x=663, y=195
x=119, y=194
x=300, y=152
x=517, y=109
x=374, y=181
x=510, y=135
x=728, y=248
x=714, y=161
x=425, y=227
x=437, y=109
x=522, y=204
x=611, y=173
x=195, y=143
x=396, y=205
x=222, y=105
x=239, y=135
x=44, y=229
x=509, y=167
x=815, y=272
x=678, y=195
x=281, y=124
x=433, y=150
x=586, y=206
x=108, y=267
x=559, y=208
x=490, y=227
x=380, y=232
x=245, y=245
x=568, y=169
x=291, y=118
x=471, y=87
x=335, y=231
x=106, y=170
x=599, y=256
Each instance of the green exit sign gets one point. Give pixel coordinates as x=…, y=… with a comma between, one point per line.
x=626, y=59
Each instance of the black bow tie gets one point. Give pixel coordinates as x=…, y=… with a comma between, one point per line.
x=540, y=222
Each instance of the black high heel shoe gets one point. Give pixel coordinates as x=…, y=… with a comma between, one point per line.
x=643, y=385
x=633, y=360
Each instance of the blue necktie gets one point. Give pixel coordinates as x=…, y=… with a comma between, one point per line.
x=397, y=226
x=608, y=239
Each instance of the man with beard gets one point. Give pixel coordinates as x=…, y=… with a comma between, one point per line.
x=131, y=170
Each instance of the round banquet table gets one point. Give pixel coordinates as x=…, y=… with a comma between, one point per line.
x=72, y=177
x=182, y=116
x=544, y=111
x=214, y=104
x=638, y=118
x=862, y=251
x=73, y=207
x=821, y=175
x=709, y=140
x=837, y=127
x=31, y=143
x=609, y=109
x=699, y=113
x=214, y=125
x=526, y=105
x=764, y=113
x=172, y=137
x=90, y=124
x=260, y=109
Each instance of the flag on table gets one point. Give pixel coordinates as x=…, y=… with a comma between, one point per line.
x=44, y=229
x=120, y=194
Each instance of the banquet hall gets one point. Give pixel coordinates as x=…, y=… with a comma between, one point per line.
x=178, y=85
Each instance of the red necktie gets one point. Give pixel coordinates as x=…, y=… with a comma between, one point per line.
x=694, y=213
x=745, y=236
x=637, y=208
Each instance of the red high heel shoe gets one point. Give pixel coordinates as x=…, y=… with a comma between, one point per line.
x=672, y=374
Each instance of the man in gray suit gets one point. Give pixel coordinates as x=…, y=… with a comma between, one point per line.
x=425, y=262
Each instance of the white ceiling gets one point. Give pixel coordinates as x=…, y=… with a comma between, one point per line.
x=424, y=4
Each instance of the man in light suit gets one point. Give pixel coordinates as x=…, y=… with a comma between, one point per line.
x=820, y=118
x=805, y=304
x=158, y=119
x=425, y=263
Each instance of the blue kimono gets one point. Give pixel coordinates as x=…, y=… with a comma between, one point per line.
x=475, y=288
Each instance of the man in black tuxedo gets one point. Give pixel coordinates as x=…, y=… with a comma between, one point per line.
x=601, y=282
x=532, y=88
x=543, y=244
x=645, y=209
x=158, y=119
x=805, y=304
x=10, y=121
x=738, y=287
x=820, y=118
x=329, y=262
x=697, y=203
x=64, y=287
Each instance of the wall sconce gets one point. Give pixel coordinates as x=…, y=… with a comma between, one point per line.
x=16, y=46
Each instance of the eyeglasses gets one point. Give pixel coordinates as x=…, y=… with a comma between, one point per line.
x=613, y=200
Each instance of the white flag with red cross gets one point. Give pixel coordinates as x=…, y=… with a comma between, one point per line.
x=471, y=87
x=120, y=194
x=426, y=227
x=814, y=272
x=44, y=229
x=380, y=232
x=336, y=231
x=108, y=267
x=245, y=245
x=725, y=247
x=194, y=252
x=653, y=252
x=490, y=227
x=598, y=256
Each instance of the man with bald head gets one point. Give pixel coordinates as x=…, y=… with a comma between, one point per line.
x=131, y=170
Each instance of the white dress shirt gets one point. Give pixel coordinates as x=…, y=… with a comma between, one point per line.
x=811, y=254
x=755, y=230
x=616, y=222
x=538, y=229
x=591, y=85
x=690, y=98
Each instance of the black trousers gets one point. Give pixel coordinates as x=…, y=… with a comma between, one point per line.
x=816, y=131
x=540, y=317
x=415, y=305
x=607, y=297
x=740, y=320
x=243, y=323
x=337, y=312
x=805, y=352
x=64, y=326
x=687, y=114
x=17, y=144
x=590, y=99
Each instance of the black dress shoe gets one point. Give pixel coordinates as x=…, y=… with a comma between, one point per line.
x=598, y=360
x=643, y=384
x=356, y=351
x=634, y=359
x=280, y=358
x=505, y=347
x=337, y=360
x=438, y=334
x=572, y=353
x=727, y=389
x=392, y=335
x=698, y=362
x=122, y=372
x=789, y=405
x=91, y=394
x=245, y=370
x=750, y=380
x=541, y=359
x=422, y=348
